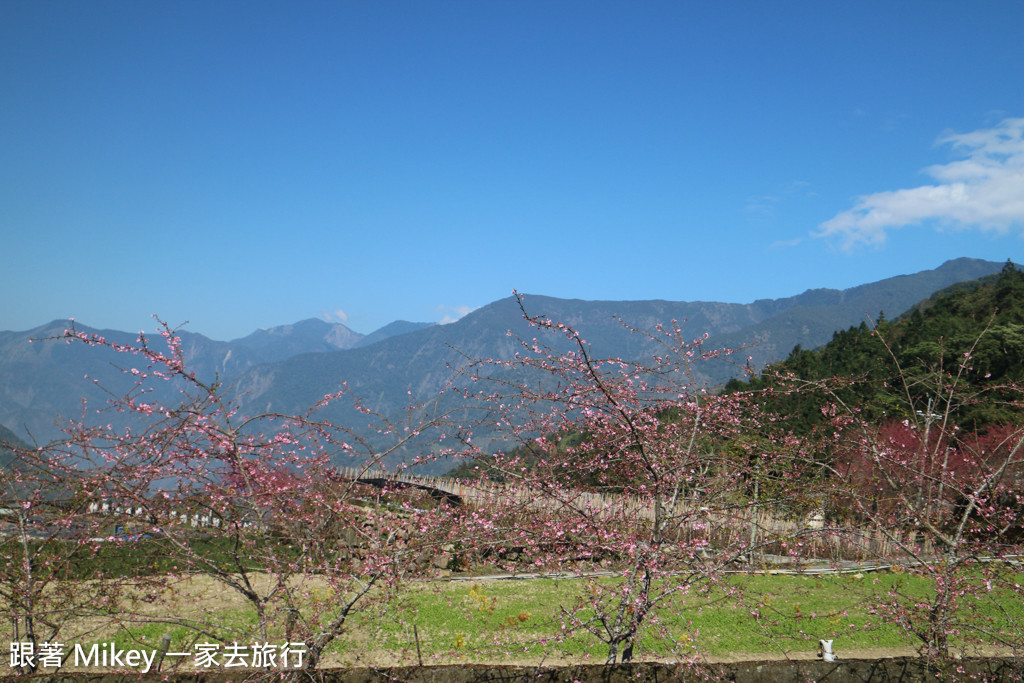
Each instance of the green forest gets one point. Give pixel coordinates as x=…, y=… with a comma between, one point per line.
x=983, y=318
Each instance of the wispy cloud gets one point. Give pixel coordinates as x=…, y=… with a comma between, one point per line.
x=335, y=316
x=761, y=206
x=765, y=205
x=984, y=190
x=453, y=313
x=786, y=243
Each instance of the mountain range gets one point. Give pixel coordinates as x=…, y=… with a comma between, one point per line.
x=288, y=368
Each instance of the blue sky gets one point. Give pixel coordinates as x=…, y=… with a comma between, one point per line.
x=248, y=164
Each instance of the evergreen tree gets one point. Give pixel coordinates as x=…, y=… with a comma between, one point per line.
x=985, y=319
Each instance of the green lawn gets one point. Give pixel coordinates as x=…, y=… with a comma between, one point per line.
x=520, y=621
x=510, y=620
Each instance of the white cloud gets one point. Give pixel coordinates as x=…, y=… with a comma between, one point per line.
x=453, y=313
x=335, y=316
x=982, y=191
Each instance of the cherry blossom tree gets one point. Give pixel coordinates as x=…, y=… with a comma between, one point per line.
x=945, y=499
x=255, y=504
x=629, y=467
x=51, y=574
x=630, y=475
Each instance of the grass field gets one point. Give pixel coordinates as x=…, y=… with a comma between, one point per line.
x=520, y=621
x=510, y=620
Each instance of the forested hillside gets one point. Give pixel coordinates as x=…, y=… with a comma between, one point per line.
x=983, y=318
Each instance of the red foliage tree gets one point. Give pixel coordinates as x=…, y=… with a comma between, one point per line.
x=946, y=500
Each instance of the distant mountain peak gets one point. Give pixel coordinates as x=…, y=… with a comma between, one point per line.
x=393, y=329
x=309, y=335
x=292, y=366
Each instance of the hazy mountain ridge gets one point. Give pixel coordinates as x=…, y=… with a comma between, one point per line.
x=305, y=336
x=391, y=330
x=8, y=440
x=289, y=368
x=817, y=310
x=421, y=362
x=982, y=319
x=44, y=380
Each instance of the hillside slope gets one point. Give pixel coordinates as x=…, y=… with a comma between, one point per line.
x=287, y=369
x=984, y=318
